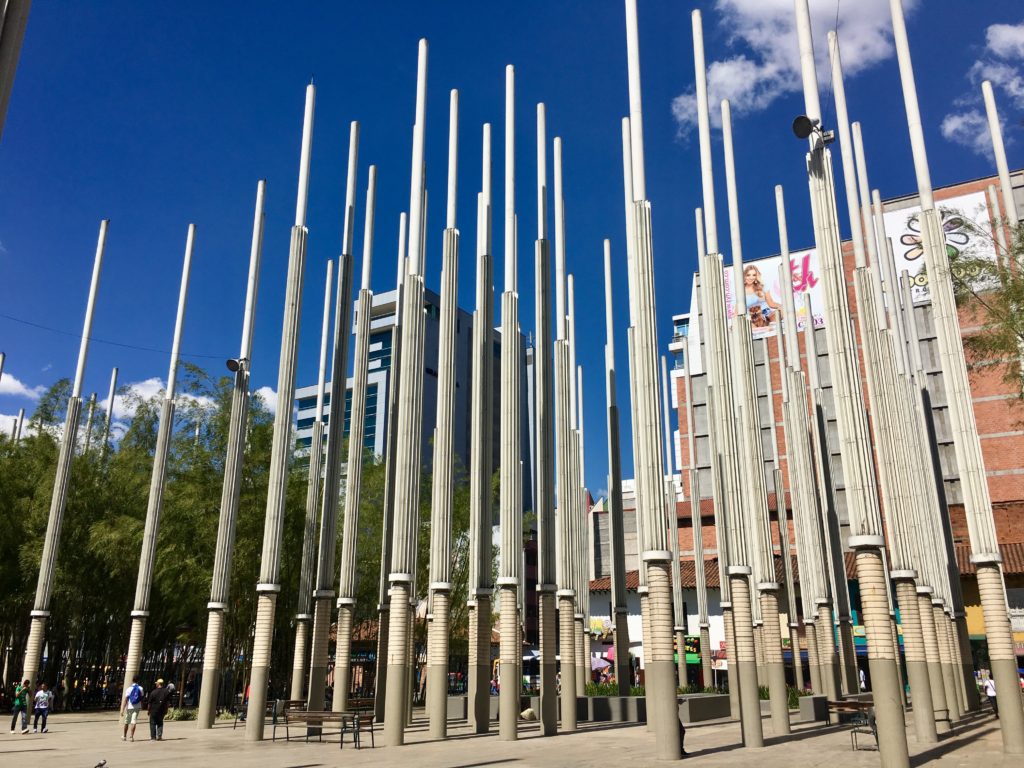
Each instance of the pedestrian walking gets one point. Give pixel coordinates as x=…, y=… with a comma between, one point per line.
x=989, y=688
x=21, y=694
x=43, y=699
x=131, y=706
x=863, y=681
x=159, y=701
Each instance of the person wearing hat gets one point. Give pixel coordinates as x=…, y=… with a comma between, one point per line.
x=159, y=700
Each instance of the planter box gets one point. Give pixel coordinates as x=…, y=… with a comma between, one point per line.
x=582, y=707
x=458, y=708
x=698, y=707
x=813, y=709
x=617, y=709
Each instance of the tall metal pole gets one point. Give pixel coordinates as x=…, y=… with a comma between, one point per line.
x=999, y=150
x=110, y=412
x=323, y=582
x=439, y=625
x=724, y=439
x=855, y=444
x=147, y=559
x=545, y=467
x=563, y=435
x=616, y=528
x=58, y=499
x=268, y=586
x=672, y=525
x=655, y=554
x=224, y=550
x=408, y=446
x=88, y=423
x=755, y=492
x=510, y=504
x=303, y=615
x=977, y=502
x=577, y=547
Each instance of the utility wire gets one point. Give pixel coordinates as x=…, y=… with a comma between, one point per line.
x=104, y=341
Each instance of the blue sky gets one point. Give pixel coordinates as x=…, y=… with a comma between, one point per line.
x=155, y=116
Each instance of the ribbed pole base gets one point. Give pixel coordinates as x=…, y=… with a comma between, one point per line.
x=917, y=667
x=510, y=656
x=774, y=668
x=547, y=624
x=567, y=644
x=398, y=666
x=211, y=670
x=746, y=666
x=259, y=676
x=437, y=666
x=1001, y=657
x=301, y=651
x=342, y=657
x=316, y=698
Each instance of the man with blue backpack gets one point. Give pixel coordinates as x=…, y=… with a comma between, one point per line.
x=131, y=706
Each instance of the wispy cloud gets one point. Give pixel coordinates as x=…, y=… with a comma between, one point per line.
x=12, y=385
x=766, y=61
x=1002, y=63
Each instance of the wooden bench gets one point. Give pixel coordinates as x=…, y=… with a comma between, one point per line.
x=848, y=706
x=273, y=710
x=357, y=722
x=362, y=714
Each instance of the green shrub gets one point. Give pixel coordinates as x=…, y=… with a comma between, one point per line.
x=181, y=713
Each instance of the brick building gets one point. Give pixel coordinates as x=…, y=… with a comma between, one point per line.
x=999, y=412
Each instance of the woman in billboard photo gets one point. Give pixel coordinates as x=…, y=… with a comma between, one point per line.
x=764, y=311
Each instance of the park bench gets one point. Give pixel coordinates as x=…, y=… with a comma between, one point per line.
x=314, y=721
x=862, y=722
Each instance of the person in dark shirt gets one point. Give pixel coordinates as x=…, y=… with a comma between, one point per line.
x=159, y=700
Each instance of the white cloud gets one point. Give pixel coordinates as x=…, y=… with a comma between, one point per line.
x=269, y=398
x=770, y=67
x=967, y=125
x=969, y=129
x=11, y=385
x=1006, y=40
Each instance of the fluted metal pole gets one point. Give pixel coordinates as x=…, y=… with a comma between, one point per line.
x=510, y=503
x=855, y=446
x=563, y=435
x=545, y=466
x=147, y=559
x=110, y=413
x=724, y=440
x=224, y=549
x=58, y=499
x=269, y=586
x=616, y=528
x=409, y=443
x=439, y=625
x=650, y=488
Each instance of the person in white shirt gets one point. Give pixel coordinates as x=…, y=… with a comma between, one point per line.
x=988, y=686
x=131, y=706
x=41, y=707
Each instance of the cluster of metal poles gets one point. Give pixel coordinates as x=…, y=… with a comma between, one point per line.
x=889, y=508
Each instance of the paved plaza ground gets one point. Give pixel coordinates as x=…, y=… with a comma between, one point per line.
x=82, y=740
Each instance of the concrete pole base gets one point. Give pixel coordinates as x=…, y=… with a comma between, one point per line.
x=662, y=702
x=510, y=654
x=581, y=661
x=316, y=699
x=917, y=666
x=567, y=641
x=620, y=638
x=730, y=651
x=259, y=676
x=680, y=658
x=34, y=648
x=931, y=645
x=848, y=657
x=381, y=678
x=705, y=657
x=885, y=682
x=211, y=671
x=967, y=661
x=398, y=667
x=827, y=657
x=548, y=666
x=342, y=657
x=746, y=666
x=133, y=660
x=480, y=698
x=775, y=671
x=298, y=687
x=814, y=669
x=437, y=669
x=1001, y=657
